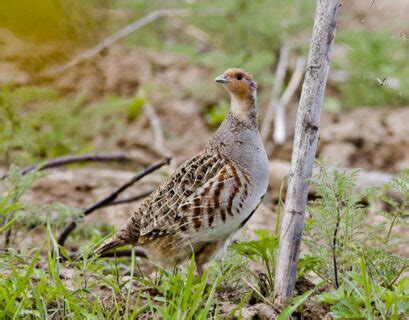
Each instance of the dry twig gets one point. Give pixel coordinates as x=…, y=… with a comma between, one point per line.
x=191, y=30
x=279, y=134
x=108, y=200
x=278, y=84
x=159, y=144
x=334, y=250
x=137, y=24
x=83, y=158
x=130, y=199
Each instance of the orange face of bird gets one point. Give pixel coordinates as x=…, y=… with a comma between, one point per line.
x=237, y=81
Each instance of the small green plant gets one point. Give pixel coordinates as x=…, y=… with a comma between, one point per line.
x=334, y=227
x=356, y=258
x=186, y=296
x=360, y=297
x=297, y=302
x=37, y=124
x=13, y=186
x=336, y=232
x=17, y=214
x=262, y=250
x=382, y=246
x=135, y=107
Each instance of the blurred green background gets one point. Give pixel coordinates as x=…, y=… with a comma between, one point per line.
x=369, y=66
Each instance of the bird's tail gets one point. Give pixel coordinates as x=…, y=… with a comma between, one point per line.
x=127, y=234
x=111, y=243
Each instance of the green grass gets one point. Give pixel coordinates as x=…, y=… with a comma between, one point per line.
x=362, y=297
x=34, y=284
x=368, y=275
x=37, y=123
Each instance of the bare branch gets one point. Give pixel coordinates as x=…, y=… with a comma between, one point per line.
x=305, y=146
x=279, y=134
x=83, y=158
x=191, y=30
x=159, y=144
x=111, y=198
x=130, y=28
x=275, y=94
x=130, y=199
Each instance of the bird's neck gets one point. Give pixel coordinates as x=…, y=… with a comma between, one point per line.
x=241, y=120
x=244, y=108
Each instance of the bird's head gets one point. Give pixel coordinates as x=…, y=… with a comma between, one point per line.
x=238, y=82
x=242, y=89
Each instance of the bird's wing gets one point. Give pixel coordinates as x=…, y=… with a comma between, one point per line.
x=219, y=198
x=204, y=187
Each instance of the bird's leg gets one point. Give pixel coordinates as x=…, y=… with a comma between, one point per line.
x=176, y=269
x=199, y=269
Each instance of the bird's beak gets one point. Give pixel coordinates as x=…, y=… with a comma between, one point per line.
x=221, y=79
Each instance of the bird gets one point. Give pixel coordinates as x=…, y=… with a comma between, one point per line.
x=199, y=208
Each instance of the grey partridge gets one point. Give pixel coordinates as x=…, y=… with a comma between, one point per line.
x=209, y=197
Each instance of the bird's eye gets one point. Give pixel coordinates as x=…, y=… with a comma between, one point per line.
x=239, y=76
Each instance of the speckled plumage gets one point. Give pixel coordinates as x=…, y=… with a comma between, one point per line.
x=210, y=196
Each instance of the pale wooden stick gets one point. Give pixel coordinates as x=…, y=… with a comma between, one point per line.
x=159, y=142
x=275, y=94
x=191, y=30
x=305, y=146
x=279, y=134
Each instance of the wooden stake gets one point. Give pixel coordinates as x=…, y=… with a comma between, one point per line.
x=305, y=146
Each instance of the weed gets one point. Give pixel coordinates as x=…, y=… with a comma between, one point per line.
x=262, y=250
x=358, y=259
x=361, y=297
x=36, y=124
